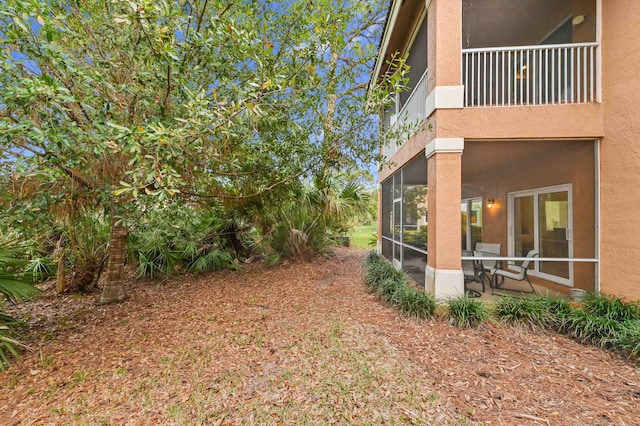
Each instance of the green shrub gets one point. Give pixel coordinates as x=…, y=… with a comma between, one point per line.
x=590, y=328
x=605, y=321
x=389, y=290
x=394, y=290
x=557, y=310
x=416, y=303
x=41, y=268
x=464, y=311
x=530, y=313
x=194, y=240
x=611, y=307
x=372, y=257
x=377, y=271
x=629, y=338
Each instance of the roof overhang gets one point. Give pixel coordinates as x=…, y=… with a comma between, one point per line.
x=406, y=14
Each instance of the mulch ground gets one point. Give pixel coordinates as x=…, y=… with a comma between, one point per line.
x=298, y=344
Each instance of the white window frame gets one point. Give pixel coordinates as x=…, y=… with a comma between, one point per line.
x=511, y=235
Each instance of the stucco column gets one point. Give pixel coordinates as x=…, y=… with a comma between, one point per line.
x=444, y=277
x=445, y=40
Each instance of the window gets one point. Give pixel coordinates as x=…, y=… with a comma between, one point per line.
x=471, y=210
x=541, y=219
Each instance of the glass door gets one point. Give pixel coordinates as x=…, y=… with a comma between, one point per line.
x=541, y=220
x=553, y=225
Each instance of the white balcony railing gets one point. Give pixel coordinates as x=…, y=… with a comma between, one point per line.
x=530, y=75
x=409, y=118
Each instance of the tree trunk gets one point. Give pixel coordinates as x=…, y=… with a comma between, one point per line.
x=61, y=285
x=113, y=291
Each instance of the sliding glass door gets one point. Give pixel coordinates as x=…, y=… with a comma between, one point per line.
x=541, y=219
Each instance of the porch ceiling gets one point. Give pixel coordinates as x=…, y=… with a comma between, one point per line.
x=407, y=20
x=512, y=156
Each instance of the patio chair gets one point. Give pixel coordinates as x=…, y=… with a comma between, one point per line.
x=519, y=274
x=471, y=273
x=486, y=266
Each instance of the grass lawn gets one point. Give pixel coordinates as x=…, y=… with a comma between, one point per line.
x=361, y=235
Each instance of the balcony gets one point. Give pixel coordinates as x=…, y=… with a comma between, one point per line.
x=405, y=123
x=530, y=75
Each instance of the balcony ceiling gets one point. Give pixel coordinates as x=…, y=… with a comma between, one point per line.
x=407, y=20
x=492, y=23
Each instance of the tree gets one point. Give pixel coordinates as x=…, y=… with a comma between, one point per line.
x=103, y=103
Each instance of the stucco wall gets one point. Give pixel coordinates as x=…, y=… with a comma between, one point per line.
x=620, y=150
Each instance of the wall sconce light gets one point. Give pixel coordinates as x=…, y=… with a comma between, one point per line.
x=577, y=20
x=490, y=202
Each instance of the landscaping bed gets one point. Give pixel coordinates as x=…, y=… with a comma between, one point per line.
x=298, y=344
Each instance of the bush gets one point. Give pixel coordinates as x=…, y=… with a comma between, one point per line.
x=464, y=311
x=605, y=321
x=593, y=329
x=185, y=239
x=629, y=338
x=612, y=308
x=531, y=313
x=394, y=290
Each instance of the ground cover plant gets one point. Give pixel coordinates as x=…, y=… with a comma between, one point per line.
x=394, y=288
x=528, y=312
x=464, y=311
x=601, y=320
x=605, y=321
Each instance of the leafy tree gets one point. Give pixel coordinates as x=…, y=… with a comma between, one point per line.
x=105, y=103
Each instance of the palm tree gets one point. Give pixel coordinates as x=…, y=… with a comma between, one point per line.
x=14, y=288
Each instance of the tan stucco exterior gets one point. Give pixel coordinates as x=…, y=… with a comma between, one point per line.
x=620, y=149
x=594, y=147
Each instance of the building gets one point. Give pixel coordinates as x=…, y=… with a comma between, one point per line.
x=521, y=127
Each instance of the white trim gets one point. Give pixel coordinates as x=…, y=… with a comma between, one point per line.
x=379, y=247
x=444, y=283
x=445, y=97
x=444, y=145
x=598, y=95
x=534, y=192
x=405, y=245
x=597, y=213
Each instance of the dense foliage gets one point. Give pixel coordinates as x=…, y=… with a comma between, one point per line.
x=111, y=112
x=183, y=135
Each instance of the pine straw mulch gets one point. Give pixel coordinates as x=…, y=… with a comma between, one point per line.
x=298, y=344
